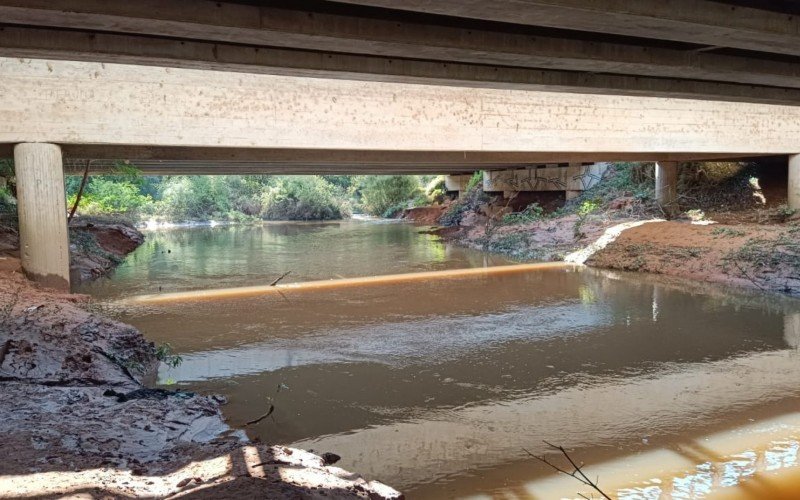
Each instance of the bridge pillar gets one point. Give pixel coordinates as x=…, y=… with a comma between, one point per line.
x=794, y=182
x=43, y=237
x=667, y=185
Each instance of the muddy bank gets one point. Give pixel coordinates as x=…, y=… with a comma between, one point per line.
x=763, y=257
x=731, y=225
x=759, y=256
x=96, y=246
x=424, y=215
x=76, y=417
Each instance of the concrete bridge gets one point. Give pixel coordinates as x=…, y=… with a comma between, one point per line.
x=195, y=86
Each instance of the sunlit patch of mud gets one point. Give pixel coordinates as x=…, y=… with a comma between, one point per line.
x=313, y=286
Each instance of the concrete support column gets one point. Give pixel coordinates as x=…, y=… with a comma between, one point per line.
x=794, y=182
x=43, y=237
x=667, y=185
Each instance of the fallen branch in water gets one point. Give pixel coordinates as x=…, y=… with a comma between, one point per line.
x=577, y=471
x=262, y=417
x=279, y=278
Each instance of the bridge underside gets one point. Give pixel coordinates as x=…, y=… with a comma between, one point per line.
x=739, y=50
x=61, y=114
x=385, y=86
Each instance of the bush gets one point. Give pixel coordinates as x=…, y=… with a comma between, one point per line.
x=436, y=190
x=469, y=201
x=104, y=196
x=194, y=198
x=305, y=197
x=477, y=178
x=380, y=193
x=532, y=213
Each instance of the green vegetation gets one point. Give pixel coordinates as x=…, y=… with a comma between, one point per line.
x=130, y=195
x=165, y=354
x=727, y=232
x=531, y=213
x=303, y=198
x=469, y=201
x=386, y=195
x=586, y=208
x=7, y=202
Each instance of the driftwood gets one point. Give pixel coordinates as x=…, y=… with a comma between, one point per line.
x=577, y=471
x=262, y=417
x=279, y=278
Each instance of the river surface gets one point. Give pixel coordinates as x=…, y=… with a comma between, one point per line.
x=441, y=386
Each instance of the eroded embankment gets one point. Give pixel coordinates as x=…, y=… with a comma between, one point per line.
x=75, y=416
x=96, y=246
x=763, y=256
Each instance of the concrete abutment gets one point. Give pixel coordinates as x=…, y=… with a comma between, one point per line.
x=667, y=185
x=44, y=240
x=794, y=182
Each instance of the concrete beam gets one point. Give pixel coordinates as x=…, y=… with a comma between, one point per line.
x=108, y=154
x=261, y=26
x=571, y=178
x=457, y=182
x=702, y=22
x=741, y=79
x=112, y=104
x=43, y=239
x=360, y=162
x=794, y=182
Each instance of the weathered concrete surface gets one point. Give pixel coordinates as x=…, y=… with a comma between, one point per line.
x=457, y=182
x=357, y=43
x=119, y=104
x=700, y=22
x=550, y=178
x=44, y=249
x=794, y=182
x=666, y=190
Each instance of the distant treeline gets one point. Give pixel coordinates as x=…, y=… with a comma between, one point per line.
x=129, y=194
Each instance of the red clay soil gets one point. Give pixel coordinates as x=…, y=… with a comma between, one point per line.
x=715, y=253
x=425, y=215
x=99, y=246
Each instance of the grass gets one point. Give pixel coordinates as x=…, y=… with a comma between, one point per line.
x=727, y=232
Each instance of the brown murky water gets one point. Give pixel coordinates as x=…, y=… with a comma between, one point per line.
x=435, y=386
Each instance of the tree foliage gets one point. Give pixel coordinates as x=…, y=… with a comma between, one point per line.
x=384, y=194
x=305, y=197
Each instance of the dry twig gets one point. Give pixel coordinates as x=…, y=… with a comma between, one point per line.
x=279, y=278
x=577, y=470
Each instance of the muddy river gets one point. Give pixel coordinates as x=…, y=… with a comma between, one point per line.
x=441, y=385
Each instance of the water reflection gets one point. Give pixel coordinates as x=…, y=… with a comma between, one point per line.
x=435, y=386
x=181, y=259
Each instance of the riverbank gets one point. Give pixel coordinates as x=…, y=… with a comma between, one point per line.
x=741, y=235
x=97, y=246
x=76, y=416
